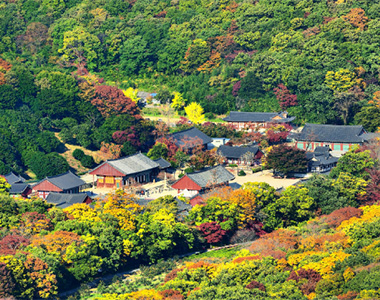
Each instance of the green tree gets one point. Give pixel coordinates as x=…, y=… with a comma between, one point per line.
x=80, y=46
x=355, y=163
x=295, y=205
x=158, y=150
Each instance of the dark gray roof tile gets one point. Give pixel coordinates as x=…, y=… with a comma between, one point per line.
x=239, y=116
x=162, y=163
x=236, y=152
x=13, y=178
x=18, y=188
x=65, y=200
x=66, y=181
x=332, y=133
x=211, y=176
x=192, y=133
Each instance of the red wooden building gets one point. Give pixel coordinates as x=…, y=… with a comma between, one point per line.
x=126, y=171
x=194, y=183
x=67, y=183
x=262, y=119
x=337, y=137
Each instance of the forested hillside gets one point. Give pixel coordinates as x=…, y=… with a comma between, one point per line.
x=63, y=60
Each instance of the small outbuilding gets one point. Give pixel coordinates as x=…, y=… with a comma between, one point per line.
x=321, y=160
x=66, y=200
x=190, y=138
x=240, y=155
x=199, y=182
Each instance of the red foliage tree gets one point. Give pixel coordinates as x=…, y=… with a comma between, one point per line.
x=131, y=135
x=7, y=283
x=256, y=285
x=172, y=274
x=212, y=232
x=203, y=159
x=172, y=147
x=10, y=243
x=172, y=295
x=4, y=68
x=372, y=194
x=236, y=88
x=110, y=100
x=310, y=275
x=338, y=216
x=284, y=97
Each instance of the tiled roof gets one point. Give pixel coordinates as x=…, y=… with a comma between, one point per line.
x=236, y=152
x=162, y=163
x=332, y=133
x=321, y=156
x=192, y=133
x=13, y=178
x=66, y=181
x=63, y=200
x=18, y=188
x=133, y=164
x=239, y=116
x=211, y=176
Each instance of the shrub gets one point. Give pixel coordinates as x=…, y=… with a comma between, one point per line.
x=78, y=154
x=232, y=165
x=209, y=115
x=181, y=175
x=87, y=161
x=189, y=170
x=241, y=173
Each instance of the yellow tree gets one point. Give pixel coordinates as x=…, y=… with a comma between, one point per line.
x=132, y=94
x=178, y=101
x=340, y=81
x=194, y=112
x=4, y=186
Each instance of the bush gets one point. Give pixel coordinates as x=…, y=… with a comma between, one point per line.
x=241, y=173
x=255, y=170
x=78, y=154
x=232, y=165
x=87, y=161
x=181, y=175
x=209, y=115
x=189, y=170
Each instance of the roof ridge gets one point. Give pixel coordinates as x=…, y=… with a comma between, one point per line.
x=333, y=125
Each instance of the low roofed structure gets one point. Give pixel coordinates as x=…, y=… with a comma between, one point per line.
x=193, y=183
x=236, y=154
x=12, y=178
x=190, y=138
x=63, y=183
x=66, y=200
x=321, y=160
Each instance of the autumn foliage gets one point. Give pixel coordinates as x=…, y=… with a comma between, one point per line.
x=110, y=100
